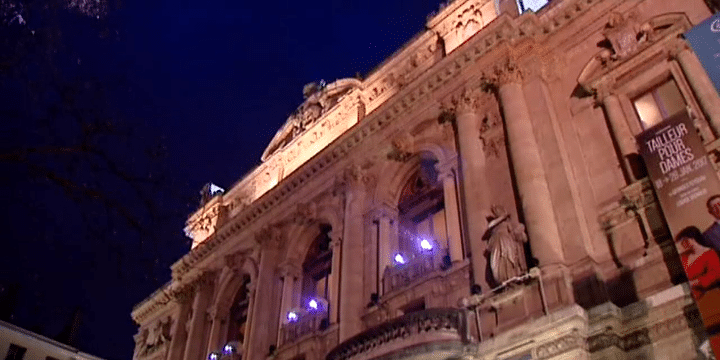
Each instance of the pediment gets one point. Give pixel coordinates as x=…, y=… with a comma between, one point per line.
x=319, y=100
x=625, y=37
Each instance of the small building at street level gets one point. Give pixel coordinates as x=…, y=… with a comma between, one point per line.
x=479, y=195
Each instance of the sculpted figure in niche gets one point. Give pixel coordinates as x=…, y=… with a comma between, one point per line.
x=505, y=246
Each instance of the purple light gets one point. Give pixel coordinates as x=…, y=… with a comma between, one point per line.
x=399, y=259
x=228, y=349
x=426, y=245
x=213, y=356
x=313, y=304
x=292, y=316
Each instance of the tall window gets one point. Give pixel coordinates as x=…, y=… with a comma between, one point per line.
x=317, y=267
x=15, y=352
x=660, y=103
x=422, y=211
x=238, y=313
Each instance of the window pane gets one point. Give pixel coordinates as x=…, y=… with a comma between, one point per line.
x=647, y=110
x=670, y=99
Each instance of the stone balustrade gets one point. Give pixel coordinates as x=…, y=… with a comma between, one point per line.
x=402, y=275
x=306, y=323
x=438, y=320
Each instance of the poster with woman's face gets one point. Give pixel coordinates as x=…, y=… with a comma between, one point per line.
x=688, y=190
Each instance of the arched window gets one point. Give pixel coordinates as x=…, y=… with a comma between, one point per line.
x=317, y=267
x=238, y=313
x=422, y=211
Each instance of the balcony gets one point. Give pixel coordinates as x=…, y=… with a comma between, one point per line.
x=439, y=326
x=402, y=275
x=305, y=323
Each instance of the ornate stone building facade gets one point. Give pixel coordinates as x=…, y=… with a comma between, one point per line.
x=478, y=196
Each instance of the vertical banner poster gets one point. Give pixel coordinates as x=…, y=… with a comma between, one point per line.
x=704, y=39
x=688, y=190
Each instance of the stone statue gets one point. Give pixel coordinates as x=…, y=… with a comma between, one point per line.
x=505, y=246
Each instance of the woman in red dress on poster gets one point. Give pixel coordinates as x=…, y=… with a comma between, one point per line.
x=702, y=266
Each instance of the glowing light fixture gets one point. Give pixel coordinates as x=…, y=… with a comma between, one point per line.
x=399, y=259
x=313, y=304
x=292, y=316
x=214, y=356
x=228, y=349
x=426, y=245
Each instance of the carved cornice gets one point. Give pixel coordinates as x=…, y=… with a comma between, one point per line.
x=152, y=303
x=502, y=30
x=637, y=338
x=561, y=345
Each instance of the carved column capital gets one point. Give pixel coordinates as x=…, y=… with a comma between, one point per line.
x=335, y=243
x=289, y=269
x=305, y=213
x=270, y=237
x=355, y=176
x=183, y=294
x=446, y=169
x=470, y=100
x=234, y=260
x=602, y=91
x=507, y=71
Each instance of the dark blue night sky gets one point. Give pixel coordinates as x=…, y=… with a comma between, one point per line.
x=211, y=81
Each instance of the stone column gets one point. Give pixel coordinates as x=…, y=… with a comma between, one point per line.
x=386, y=249
x=473, y=184
x=179, y=334
x=334, y=290
x=218, y=320
x=250, y=316
x=701, y=84
x=290, y=274
x=452, y=215
x=528, y=168
x=263, y=329
x=352, y=262
x=619, y=129
x=194, y=349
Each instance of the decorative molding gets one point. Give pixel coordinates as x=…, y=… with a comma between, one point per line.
x=507, y=71
x=637, y=338
x=305, y=213
x=270, y=237
x=289, y=269
x=561, y=345
x=503, y=30
x=402, y=147
x=626, y=39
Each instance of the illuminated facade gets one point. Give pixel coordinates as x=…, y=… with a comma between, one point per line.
x=17, y=343
x=478, y=196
